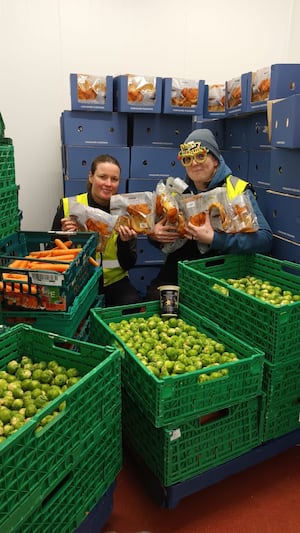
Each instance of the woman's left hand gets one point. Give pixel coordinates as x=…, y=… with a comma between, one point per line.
x=126, y=234
x=203, y=234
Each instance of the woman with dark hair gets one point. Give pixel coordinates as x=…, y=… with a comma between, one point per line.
x=120, y=251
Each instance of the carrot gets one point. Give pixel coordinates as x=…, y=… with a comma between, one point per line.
x=67, y=251
x=59, y=243
x=11, y=276
x=68, y=244
x=93, y=261
x=53, y=252
x=59, y=267
x=61, y=257
x=17, y=263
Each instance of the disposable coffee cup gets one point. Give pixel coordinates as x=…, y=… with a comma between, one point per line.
x=169, y=298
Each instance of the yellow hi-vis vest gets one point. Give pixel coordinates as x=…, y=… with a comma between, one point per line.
x=112, y=271
x=235, y=186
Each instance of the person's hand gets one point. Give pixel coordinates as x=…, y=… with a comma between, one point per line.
x=126, y=234
x=164, y=233
x=204, y=233
x=69, y=224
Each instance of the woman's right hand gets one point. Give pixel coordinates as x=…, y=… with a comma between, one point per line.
x=164, y=233
x=69, y=224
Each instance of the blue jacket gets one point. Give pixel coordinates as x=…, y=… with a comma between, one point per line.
x=223, y=243
x=257, y=242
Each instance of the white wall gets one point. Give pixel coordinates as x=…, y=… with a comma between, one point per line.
x=42, y=41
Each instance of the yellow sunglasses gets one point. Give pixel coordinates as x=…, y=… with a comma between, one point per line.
x=192, y=151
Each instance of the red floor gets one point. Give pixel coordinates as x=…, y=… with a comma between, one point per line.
x=261, y=499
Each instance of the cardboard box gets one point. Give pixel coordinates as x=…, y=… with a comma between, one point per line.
x=237, y=160
x=285, y=122
x=137, y=93
x=258, y=131
x=263, y=199
x=142, y=184
x=284, y=171
x=141, y=276
x=285, y=250
x=270, y=104
x=160, y=130
x=236, y=95
x=214, y=101
x=155, y=162
x=259, y=167
x=284, y=215
x=272, y=82
x=77, y=159
x=216, y=125
x=93, y=129
x=236, y=132
x=147, y=254
x=91, y=92
x=183, y=96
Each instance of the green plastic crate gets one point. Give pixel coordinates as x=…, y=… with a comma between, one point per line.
x=276, y=330
x=7, y=165
x=176, y=398
x=52, y=289
x=9, y=201
x=61, y=322
x=186, y=450
x=33, y=464
x=83, y=332
x=281, y=382
x=66, y=507
x=10, y=225
x=282, y=417
x=2, y=127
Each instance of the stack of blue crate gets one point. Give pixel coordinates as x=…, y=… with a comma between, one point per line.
x=154, y=147
x=284, y=193
x=155, y=141
x=260, y=141
x=91, y=129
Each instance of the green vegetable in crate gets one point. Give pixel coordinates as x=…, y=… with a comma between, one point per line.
x=172, y=347
x=26, y=387
x=261, y=289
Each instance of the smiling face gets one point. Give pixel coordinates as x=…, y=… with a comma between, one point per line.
x=202, y=173
x=104, y=182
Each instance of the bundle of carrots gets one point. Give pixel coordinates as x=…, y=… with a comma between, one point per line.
x=56, y=259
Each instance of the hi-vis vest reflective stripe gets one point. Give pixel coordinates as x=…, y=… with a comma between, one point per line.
x=81, y=198
x=112, y=271
x=235, y=186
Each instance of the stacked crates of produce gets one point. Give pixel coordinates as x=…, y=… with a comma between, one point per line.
x=9, y=192
x=48, y=280
x=192, y=392
x=60, y=421
x=258, y=299
x=154, y=141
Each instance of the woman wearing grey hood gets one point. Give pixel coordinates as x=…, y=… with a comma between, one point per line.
x=206, y=170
